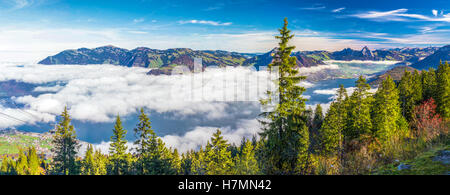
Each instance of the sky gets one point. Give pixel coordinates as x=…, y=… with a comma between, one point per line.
x=34, y=29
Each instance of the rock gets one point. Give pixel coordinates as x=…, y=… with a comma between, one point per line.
x=443, y=157
x=403, y=167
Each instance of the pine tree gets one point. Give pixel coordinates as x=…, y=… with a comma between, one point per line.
x=388, y=122
x=88, y=165
x=100, y=162
x=22, y=163
x=406, y=95
x=65, y=146
x=285, y=131
x=358, y=116
x=429, y=84
x=246, y=163
x=443, y=90
x=120, y=159
x=217, y=157
x=153, y=157
x=417, y=86
x=316, y=125
x=331, y=131
x=33, y=162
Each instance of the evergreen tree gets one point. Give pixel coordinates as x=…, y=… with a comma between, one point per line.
x=388, y=122
x=443, y=90
x=331, y=131
x=22, y=163
x=406, y=93
x=65, y=146
x=33, y=162
x=217, y=157
x=119, y=158
x=100, y=162
x=417, y=86
x=153, y=157
x=429, y=84
x=358, y=116
x=314, y=130
x=285, y=129
x=246, y=163
x=88, y=165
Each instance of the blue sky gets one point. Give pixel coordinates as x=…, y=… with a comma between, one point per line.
x=42, y=27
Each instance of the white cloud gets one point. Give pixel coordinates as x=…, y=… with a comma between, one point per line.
x=99, y=92
x=435, y=12
x=208, y=22
x=326, y=91
x=400, y=15
x=199, y=136
x=338, y=10
x=138, y=20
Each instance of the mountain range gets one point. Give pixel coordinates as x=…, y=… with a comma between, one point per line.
x=162, y=61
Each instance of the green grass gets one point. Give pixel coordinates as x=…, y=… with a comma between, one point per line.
x=21, y=141
x=423, y=164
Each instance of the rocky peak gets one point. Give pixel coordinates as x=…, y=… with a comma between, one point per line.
x=366, y=51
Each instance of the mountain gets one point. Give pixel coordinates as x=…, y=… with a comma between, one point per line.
x=163, y=61
x=433, y=60
x=396, y=73
x=406, y=55
x=265, y=59
x=144, y=57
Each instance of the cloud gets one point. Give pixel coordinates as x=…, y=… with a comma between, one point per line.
x=435, y=12
x=199, y=136
x=400, y=15
x=315, y=7
x=326, y=91
x=90, y=91
x=138, y=20
x=338, y=9
x=207, y=22
x=19, y=4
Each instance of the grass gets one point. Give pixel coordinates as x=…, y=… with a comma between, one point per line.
x=423, y=164
x=14, y=142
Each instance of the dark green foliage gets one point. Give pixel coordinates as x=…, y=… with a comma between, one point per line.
x=386, y=116
x=358, y=112
x=153, y=157
x=285, y=131
x=443, y=90
x=120, y=160
x=65, y=146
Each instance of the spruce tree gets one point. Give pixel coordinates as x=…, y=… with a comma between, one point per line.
x=153, y=157
x=406, y=95
x=443, y=90
x=388, y=122
x=119, y=158
x=217, y=156
x=33, y=162
x=429, y=84
x=88, y=165
x=22, y=163
x=285, y=132
x=331, y=132
x=65, y=146
x=246, y=163
x=358, y=116
x=100, y=162
x=316, y=125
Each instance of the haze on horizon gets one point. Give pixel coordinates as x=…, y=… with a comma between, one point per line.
x=34, y=29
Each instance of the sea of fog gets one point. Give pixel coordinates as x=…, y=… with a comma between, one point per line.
x=184, y=109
